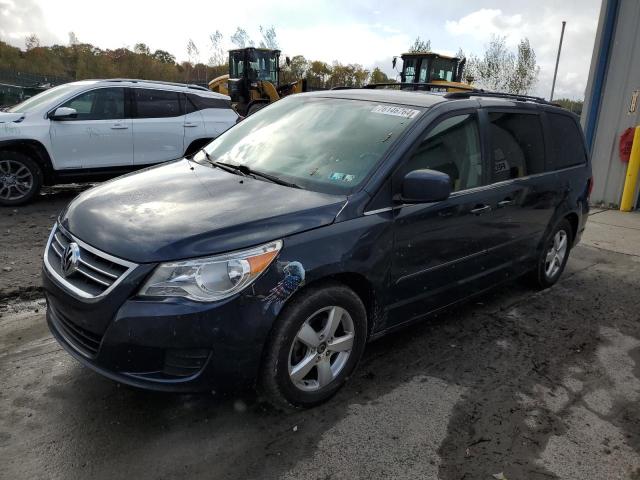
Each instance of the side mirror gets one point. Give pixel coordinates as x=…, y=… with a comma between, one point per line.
x=288, y=61
x=64, y=113
x=425, y=186
x=393, y=63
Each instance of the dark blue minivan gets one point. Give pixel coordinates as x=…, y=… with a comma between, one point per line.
x=326, y=220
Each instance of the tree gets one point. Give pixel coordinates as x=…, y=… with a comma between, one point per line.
x=420, y=46
x=502, y=70
x=32, y=41
x=192, y=52
x=142, y=49
x=163, y=56
x=318, y=73
x=378, y=76
x=217, y=50
x=268, y=38
x=241, y=38
x=525, y=72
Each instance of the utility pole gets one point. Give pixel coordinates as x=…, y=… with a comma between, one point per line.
x=555, y=72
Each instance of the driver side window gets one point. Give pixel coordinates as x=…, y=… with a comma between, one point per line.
x=100, y=104
x=452, y=147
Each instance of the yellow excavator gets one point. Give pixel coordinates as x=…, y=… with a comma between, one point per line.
x=253, y=80
x=430, y=71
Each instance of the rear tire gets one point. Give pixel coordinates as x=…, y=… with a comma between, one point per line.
x=553, y=256
x=315, y=345
x=20, y=178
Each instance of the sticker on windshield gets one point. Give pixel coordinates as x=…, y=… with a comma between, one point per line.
x=341, y=177
x=396, y=111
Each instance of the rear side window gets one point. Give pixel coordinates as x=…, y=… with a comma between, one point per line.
x=566, y=141
x=516, y=145
x=196, y=102
x=156, y=103
x=100, y=104
x=452, y=147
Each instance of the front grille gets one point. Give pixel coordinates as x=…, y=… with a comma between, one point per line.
x=96, y=272
x=87, y=343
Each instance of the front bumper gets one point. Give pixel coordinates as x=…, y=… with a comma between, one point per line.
x=165, y=344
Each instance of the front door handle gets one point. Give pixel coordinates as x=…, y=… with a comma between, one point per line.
x=480, y=209
x=119, y=126
x=189, y=124
x=505, y=203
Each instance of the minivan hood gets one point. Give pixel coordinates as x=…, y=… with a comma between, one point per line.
x=6, y=117
x=183, y=209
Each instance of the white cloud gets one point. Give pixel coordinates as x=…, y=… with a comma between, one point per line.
x=354, y=31
x=485, y=22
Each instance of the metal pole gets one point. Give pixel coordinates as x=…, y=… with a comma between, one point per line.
x=555, y=72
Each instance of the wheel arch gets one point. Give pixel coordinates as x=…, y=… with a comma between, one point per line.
x=35, y=150
x=574, y=221
x=356, y=282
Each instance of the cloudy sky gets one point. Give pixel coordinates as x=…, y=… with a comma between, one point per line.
x=369, y=32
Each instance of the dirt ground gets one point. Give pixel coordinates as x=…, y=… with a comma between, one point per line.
x=531, y=385
x=23, y=235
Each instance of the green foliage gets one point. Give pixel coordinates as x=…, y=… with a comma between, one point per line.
x=420, y=46
x=241, y=38
x=502, y=70
x=574, y=106
x=268, y=38
x=79, y=61
x=378, y=76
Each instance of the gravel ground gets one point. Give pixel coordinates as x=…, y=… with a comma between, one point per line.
x=23, y=235
x=527, y=384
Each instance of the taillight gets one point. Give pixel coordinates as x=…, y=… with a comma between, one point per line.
x=589, y=187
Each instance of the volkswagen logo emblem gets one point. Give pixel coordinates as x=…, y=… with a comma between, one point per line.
x=70, y=259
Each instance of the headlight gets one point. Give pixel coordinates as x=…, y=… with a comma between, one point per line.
x=210, y=278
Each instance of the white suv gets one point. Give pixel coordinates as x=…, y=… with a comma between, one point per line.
x=97, y=129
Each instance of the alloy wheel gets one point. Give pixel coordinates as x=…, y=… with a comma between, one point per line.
x=321, y=348
x=16, y=180
x=556, y=254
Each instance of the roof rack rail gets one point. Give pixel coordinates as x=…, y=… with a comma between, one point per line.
x=158, y=82
x=514, y=96
x=427, y=86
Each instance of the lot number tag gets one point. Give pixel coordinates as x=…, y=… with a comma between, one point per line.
x=396, y=111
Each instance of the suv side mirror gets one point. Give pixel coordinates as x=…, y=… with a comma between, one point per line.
x=425, y=186
x=63, y=113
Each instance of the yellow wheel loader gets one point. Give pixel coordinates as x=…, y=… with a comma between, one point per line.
x=253, y=80
x=430, y=71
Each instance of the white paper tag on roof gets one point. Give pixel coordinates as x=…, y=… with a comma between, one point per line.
x=396, y=111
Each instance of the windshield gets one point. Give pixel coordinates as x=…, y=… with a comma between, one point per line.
x=51, y=95
x=263, y=66
x=443, y=69
x=323, y=144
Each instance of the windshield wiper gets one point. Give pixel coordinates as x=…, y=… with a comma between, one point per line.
x=245, y=170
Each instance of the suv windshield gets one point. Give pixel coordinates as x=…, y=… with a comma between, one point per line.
x=324, y=144
x=51, y=95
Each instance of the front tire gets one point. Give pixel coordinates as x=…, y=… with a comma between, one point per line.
x=20, y=178
x=553, y=256
x=314, y=347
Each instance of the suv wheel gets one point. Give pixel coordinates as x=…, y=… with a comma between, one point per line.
x=554, y=256
x=20, y=178
x=315, y=345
